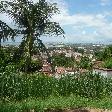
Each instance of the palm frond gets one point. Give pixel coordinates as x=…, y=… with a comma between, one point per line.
x=6, y=31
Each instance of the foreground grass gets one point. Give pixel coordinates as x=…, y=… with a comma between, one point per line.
x=40, y=105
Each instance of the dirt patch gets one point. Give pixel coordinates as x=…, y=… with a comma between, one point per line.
x=77, y=110
x=72, y=110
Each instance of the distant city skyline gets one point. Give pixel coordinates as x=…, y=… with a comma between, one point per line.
x=84, y=21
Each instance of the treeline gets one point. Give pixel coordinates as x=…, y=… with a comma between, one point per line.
x=105, y=55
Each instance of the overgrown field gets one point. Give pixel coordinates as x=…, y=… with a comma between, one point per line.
x=19, y=86
x=20, y=91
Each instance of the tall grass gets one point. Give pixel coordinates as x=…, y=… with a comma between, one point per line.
x=16, y=86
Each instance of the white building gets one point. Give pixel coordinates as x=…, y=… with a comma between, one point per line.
x=104, y=72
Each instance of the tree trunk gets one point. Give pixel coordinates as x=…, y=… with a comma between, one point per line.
x=31, y=41
x=28, y=51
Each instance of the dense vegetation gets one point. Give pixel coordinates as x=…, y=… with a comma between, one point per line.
x=85, y=63
x=62, y=60
x=79, y=50
x=28, y=91
x=57, y=104
x=21, y=86
x=106, y=56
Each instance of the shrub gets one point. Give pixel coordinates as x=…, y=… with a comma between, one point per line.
x=108, y=63
x=35, y=65
x=85, y=63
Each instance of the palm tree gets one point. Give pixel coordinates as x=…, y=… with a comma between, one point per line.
x=5, y=32
x=33, y=20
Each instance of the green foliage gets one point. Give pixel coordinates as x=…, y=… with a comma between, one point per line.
x=85, y=63
x=53, y=103
x=98, y=55
x=33, y=66
x=42, y=86
x=14, y=86
x=79, y=50
x=62, y=60
x=108, y=63
x=105, y=54
x=5, y=31
x=5, y=57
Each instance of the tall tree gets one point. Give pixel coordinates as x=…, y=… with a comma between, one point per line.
x=33, y=20
x=5, y=32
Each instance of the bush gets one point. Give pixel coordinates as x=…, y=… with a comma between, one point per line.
x=85, y=63
x=5, y=57
x=62, y=60
x=34, y=65
x=108, y=63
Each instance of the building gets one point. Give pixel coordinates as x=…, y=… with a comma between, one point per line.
x=103, y=71
x=47, y=69
x=97, y=68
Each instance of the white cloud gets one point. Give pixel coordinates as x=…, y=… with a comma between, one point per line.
x=84, y=32
x=105, y=2
x=80, y=23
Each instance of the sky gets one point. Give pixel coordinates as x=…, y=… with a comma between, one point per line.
x=84, y=21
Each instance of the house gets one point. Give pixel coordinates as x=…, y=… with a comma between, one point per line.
x=77, y=55
x=69, y=70
x=60, y=70
x=68, y=54
x=103, y=71
x=97, y=68
x=47, y=69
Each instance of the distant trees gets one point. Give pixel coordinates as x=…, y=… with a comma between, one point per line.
x=62, y=60
x=107, y=52
x=79, y=50
x=85, y=63
x=108, y=63
x=106, y=56
x=98, y=55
